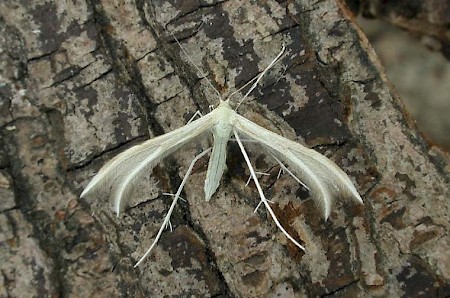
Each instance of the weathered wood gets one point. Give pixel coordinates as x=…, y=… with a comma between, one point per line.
x=83, y=81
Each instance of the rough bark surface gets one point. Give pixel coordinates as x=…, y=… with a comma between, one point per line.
x=84, y=80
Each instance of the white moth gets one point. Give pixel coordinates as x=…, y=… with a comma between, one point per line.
x=323, y=178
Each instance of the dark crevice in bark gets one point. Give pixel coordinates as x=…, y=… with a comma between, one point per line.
x=39, y=220
x=338, y=290
x=106, y=154
x=165, y=41
x=124, y=66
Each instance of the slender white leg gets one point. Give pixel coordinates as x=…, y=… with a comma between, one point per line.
x=261, y=194
x=280, y=172
x=259, y=204
x=198, y=113
x=250, y=177
x=174, y=202
x=172, y=195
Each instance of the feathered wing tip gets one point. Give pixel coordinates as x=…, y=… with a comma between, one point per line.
x=121, y=172
x=119, y=175
x=324, y=178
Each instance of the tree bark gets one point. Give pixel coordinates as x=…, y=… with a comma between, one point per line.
x=428, y=20
x=83, y=81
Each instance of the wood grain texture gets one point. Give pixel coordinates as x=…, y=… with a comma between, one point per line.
x=84, y=80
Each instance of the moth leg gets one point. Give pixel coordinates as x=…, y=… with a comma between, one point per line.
x=172, y=195
x=172, y=206
x=261, y=194
x=250, y=177
x=280, y=172
x=169, y=225
x=259, y=204
x=198, y=113
x=248, y=181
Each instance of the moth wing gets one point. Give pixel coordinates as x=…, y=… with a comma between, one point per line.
x=324, y=178
x=118, y=175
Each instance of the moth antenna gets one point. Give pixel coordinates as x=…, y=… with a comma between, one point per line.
x=196, y=67
x=261, y=194
x=260, y=76
x=240, y=89
x=172, y=206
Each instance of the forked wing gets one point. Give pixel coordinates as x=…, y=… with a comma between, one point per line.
x=118, y=175
x=324, y=178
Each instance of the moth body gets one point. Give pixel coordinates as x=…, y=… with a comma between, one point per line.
x=217, y=162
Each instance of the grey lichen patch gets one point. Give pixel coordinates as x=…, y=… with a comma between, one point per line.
x=162, y=278
x=179, y=264
x=367, y=255
x=40, y=71
x=176, y=112
x=298, y=92
x=154, y=67
x=22, y=103
x=6, y=192
x=25, y=268
x=159, y=78
x=44, y=34
x=129, y=28
x=253, y=19
x=433, y=250
x=215, y=36
x=40, y=164
x=79, y=49
x=35, y=26
x=57, y=76
x=286, y=290
x=13, y=91
x=146, y=188
x=285, y=192
x=209, y=55
x=165, y=12
x=315, y=258
x=92, y=128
